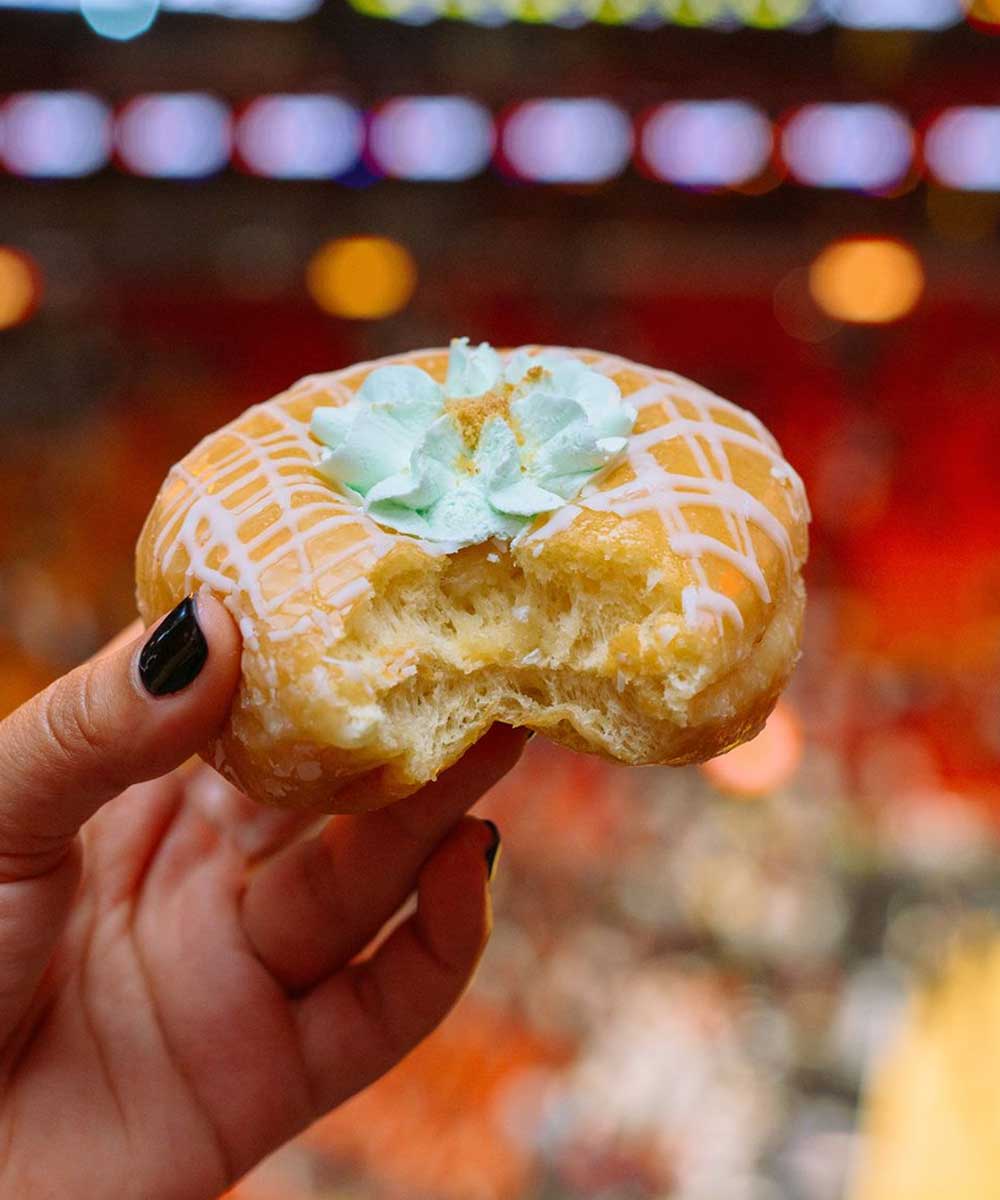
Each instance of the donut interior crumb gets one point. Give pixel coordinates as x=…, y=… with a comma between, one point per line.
x=490, y=641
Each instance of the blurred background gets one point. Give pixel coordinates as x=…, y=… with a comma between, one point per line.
x=772, y=978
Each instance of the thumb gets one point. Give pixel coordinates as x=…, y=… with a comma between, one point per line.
x=127, y=715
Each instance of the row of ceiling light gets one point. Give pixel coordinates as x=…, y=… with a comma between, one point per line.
x=700, y=144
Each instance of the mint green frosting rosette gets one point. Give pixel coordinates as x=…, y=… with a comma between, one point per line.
x=399, y=450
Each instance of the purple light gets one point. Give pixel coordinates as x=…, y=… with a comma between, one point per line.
x=706, y=143
x=431, y=137
x=174, y=135
x=55, y=135
x=300, y=137
x=866, y=147
x=567, y=141
x=962, y=148
x=895, y=14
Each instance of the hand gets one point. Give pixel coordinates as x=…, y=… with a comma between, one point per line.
x=180, y=990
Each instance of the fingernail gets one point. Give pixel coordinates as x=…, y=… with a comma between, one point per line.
x=492, y=851
x=175, y=652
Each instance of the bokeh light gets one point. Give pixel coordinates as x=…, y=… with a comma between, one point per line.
x=254, y=10
x=867, y=281
x=431, y=137
x=586, y=140
x=962, y=148
x=300, y=136
x=769, y=14
x=362, y=278
x=868, y=147
x=895, y=14
x=615, y=12
x=544, y=12
x=120, y=20
x=984, y=12
x=486, y=13
x=400, y=10
x=706, y=143
x=174, y=135
x=20, y=287
x=692, y=12
x=55, y=135
x=765, y=764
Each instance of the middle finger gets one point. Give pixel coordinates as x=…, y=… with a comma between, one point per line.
x=313, y=907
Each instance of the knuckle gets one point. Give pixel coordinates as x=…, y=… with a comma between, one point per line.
x=30, y=856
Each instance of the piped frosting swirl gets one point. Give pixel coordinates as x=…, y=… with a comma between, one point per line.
x=480, y=457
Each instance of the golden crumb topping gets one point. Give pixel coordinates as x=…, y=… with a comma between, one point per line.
x=472, y=412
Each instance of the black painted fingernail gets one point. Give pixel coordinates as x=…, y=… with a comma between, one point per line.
x=492, y=851
x=175, y=652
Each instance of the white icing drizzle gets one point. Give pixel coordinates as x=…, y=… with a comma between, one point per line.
x=697, y=600
x=205, y=517
x=300, y=626
x=694, y=544
x=350, y=592
x=561, y=519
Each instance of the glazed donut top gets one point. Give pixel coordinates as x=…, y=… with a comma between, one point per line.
x=698, y=499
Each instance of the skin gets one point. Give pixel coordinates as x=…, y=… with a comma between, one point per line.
x=180, y=983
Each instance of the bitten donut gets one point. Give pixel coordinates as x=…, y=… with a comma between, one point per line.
x=417, y=547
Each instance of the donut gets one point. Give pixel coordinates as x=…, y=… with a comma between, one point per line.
x=417, y=547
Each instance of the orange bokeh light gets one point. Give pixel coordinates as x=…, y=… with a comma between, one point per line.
x=984, y=12
x=20, y=287
x=766, y=763
x=361, y=278
x=867, y=281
